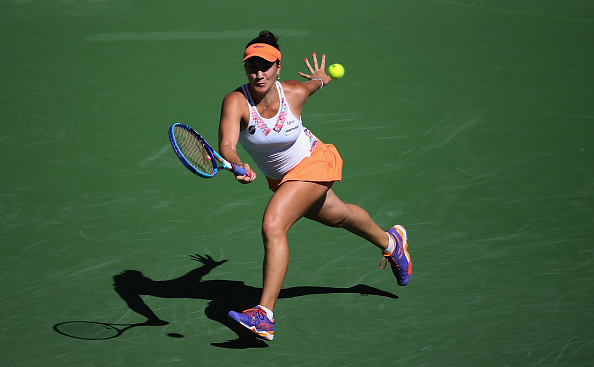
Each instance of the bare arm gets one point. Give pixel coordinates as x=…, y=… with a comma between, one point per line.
x=299, y=92
x=232, y=113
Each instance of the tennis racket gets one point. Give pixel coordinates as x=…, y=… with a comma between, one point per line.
x=90, y=330
x=195, y=153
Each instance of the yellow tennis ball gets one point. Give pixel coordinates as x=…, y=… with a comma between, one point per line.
x=336, y=71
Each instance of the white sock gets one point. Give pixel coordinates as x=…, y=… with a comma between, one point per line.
x=391, y=246
x=269, y=313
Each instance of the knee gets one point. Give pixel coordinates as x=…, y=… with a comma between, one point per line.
x=337, y=220
x=349, y=218
x=273, y=230
x=336, y=223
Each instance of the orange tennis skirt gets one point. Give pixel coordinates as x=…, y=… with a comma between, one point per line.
x=323, y=165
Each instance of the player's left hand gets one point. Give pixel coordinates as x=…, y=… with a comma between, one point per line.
x=317, y=71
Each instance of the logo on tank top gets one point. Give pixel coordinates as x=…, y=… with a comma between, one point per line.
x=252, y=129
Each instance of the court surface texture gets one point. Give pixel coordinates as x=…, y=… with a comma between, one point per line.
x=471, y=123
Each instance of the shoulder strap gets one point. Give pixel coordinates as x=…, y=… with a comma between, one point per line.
x=281, y=91
x=248, y=96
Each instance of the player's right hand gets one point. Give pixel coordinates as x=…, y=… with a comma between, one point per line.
x=250, y=177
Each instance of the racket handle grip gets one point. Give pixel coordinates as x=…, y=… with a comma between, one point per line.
x=239, y=170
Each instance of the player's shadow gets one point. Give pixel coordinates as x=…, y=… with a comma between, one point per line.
x=224, y=295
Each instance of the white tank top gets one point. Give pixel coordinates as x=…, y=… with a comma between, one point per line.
x=277, y=144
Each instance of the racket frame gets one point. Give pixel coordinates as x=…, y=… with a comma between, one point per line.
x=214, y=156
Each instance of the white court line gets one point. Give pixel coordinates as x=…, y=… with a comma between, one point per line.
x=537, y=13
x=187, y=35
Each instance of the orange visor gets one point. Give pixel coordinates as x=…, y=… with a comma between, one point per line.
x=263, y=50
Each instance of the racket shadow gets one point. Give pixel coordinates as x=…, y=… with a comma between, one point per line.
x=223, y=296
x=92, y=330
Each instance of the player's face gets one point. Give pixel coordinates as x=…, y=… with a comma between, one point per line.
x=261, y=73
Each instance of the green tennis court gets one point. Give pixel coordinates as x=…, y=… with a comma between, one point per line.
x=469, y=122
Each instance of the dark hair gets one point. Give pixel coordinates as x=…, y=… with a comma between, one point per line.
x=265, y=37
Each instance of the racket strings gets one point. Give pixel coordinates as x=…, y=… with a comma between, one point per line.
x=193, y=150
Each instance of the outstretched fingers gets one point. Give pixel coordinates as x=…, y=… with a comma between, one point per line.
x=316, y=68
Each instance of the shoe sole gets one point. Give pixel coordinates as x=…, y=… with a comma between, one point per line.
x=260, y=334
x=400, y=229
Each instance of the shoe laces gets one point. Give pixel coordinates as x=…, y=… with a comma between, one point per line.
x=255, y=313
x=384, y=262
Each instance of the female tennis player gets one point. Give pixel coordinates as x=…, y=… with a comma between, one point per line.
x=264, y=116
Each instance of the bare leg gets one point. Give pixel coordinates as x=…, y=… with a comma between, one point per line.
x=335, y=213
x=289, y=203
x=296, y=199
